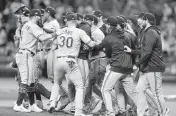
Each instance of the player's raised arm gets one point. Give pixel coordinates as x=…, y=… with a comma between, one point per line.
x=35, y=30
x=86, y=39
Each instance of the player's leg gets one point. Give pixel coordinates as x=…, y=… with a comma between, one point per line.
x=75, y=76
x=109, y=82
x=21, y=60
x=119, y=92
x=33, y=70
x=59, y=74
x=142, y=105
x=130, y=93
x=155, y=81
x=50, y=64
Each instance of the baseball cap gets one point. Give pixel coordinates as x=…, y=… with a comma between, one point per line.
x=111, y=20
x=18, y=8
x=91, y=18
x=123, y=17
x=150, y=17
x=22, y=10
x=140, y=15
x=97, y=13
x=80, y=16
x=35, y=12
x=70, y=17
x=120, y=20
x=50, y=10
x=88, y=17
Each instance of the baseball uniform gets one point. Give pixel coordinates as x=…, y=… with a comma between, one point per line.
x=53, y=26
x=68, y=45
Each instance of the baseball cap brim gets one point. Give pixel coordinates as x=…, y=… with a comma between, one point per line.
x=17, y=9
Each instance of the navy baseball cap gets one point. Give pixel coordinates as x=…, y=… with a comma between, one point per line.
x=140, y=15
x=70, y=17
x=124, y=18
x=35, y=12
x=120, y=20
x=80, y=16
x=150, y=17
x=111, y=20
x=50, y=10
x=97, y=13
x=88, y=17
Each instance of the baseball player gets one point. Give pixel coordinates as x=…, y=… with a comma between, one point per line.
x=120, y=64
x=151, y=69
x=100, y=24
x=68, y=45
x=22, y=13
x=82, y=59
x=127, y=83
x=30, y=35
x=52, y=25
x=98, y=62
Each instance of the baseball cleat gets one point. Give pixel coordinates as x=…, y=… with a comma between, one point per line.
x=20, y=108
x=63, y=102
x=39, y=104
x=35, y=108
x=51, y=109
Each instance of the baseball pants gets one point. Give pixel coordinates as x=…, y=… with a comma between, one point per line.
x=84, y=68
x=70, y=67
x=25, y=62
x=96, y=76
x=110, y=80
x=123, y=87
x=50, y=64
x=150, y=86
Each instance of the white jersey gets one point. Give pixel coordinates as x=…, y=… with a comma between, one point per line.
x=69, y=41
x=52, y=25
x=30, y=34
x=97, y=36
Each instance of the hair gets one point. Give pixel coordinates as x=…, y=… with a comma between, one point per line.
x=53, y=16
x=152, y=22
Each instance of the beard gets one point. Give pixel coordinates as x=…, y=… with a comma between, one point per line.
x=39, y=23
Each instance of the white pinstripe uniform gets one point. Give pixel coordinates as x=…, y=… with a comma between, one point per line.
x=68, y=45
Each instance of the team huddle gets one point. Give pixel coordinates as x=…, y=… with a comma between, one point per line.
x=98, y=58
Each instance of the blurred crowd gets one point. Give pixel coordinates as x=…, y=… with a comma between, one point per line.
x=164, y=10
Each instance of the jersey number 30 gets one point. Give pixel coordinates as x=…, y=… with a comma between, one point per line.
x=68, y=42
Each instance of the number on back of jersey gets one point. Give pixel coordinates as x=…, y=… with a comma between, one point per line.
x=65, y=41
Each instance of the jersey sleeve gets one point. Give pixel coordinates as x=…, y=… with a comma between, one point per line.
x=86, y=39
x=98, y=36
x=38, y=32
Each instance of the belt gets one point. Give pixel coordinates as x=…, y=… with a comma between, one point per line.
x=97, y=58
x=32, y=53
x=69, y=56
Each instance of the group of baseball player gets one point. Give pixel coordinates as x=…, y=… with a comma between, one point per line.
x=98, y=58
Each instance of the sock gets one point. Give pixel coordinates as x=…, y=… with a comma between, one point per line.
x=20, y=98
x=31, y=97
x=38, y=96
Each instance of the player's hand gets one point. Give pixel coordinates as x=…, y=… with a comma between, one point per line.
x=85, y=47
x=127, y=49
